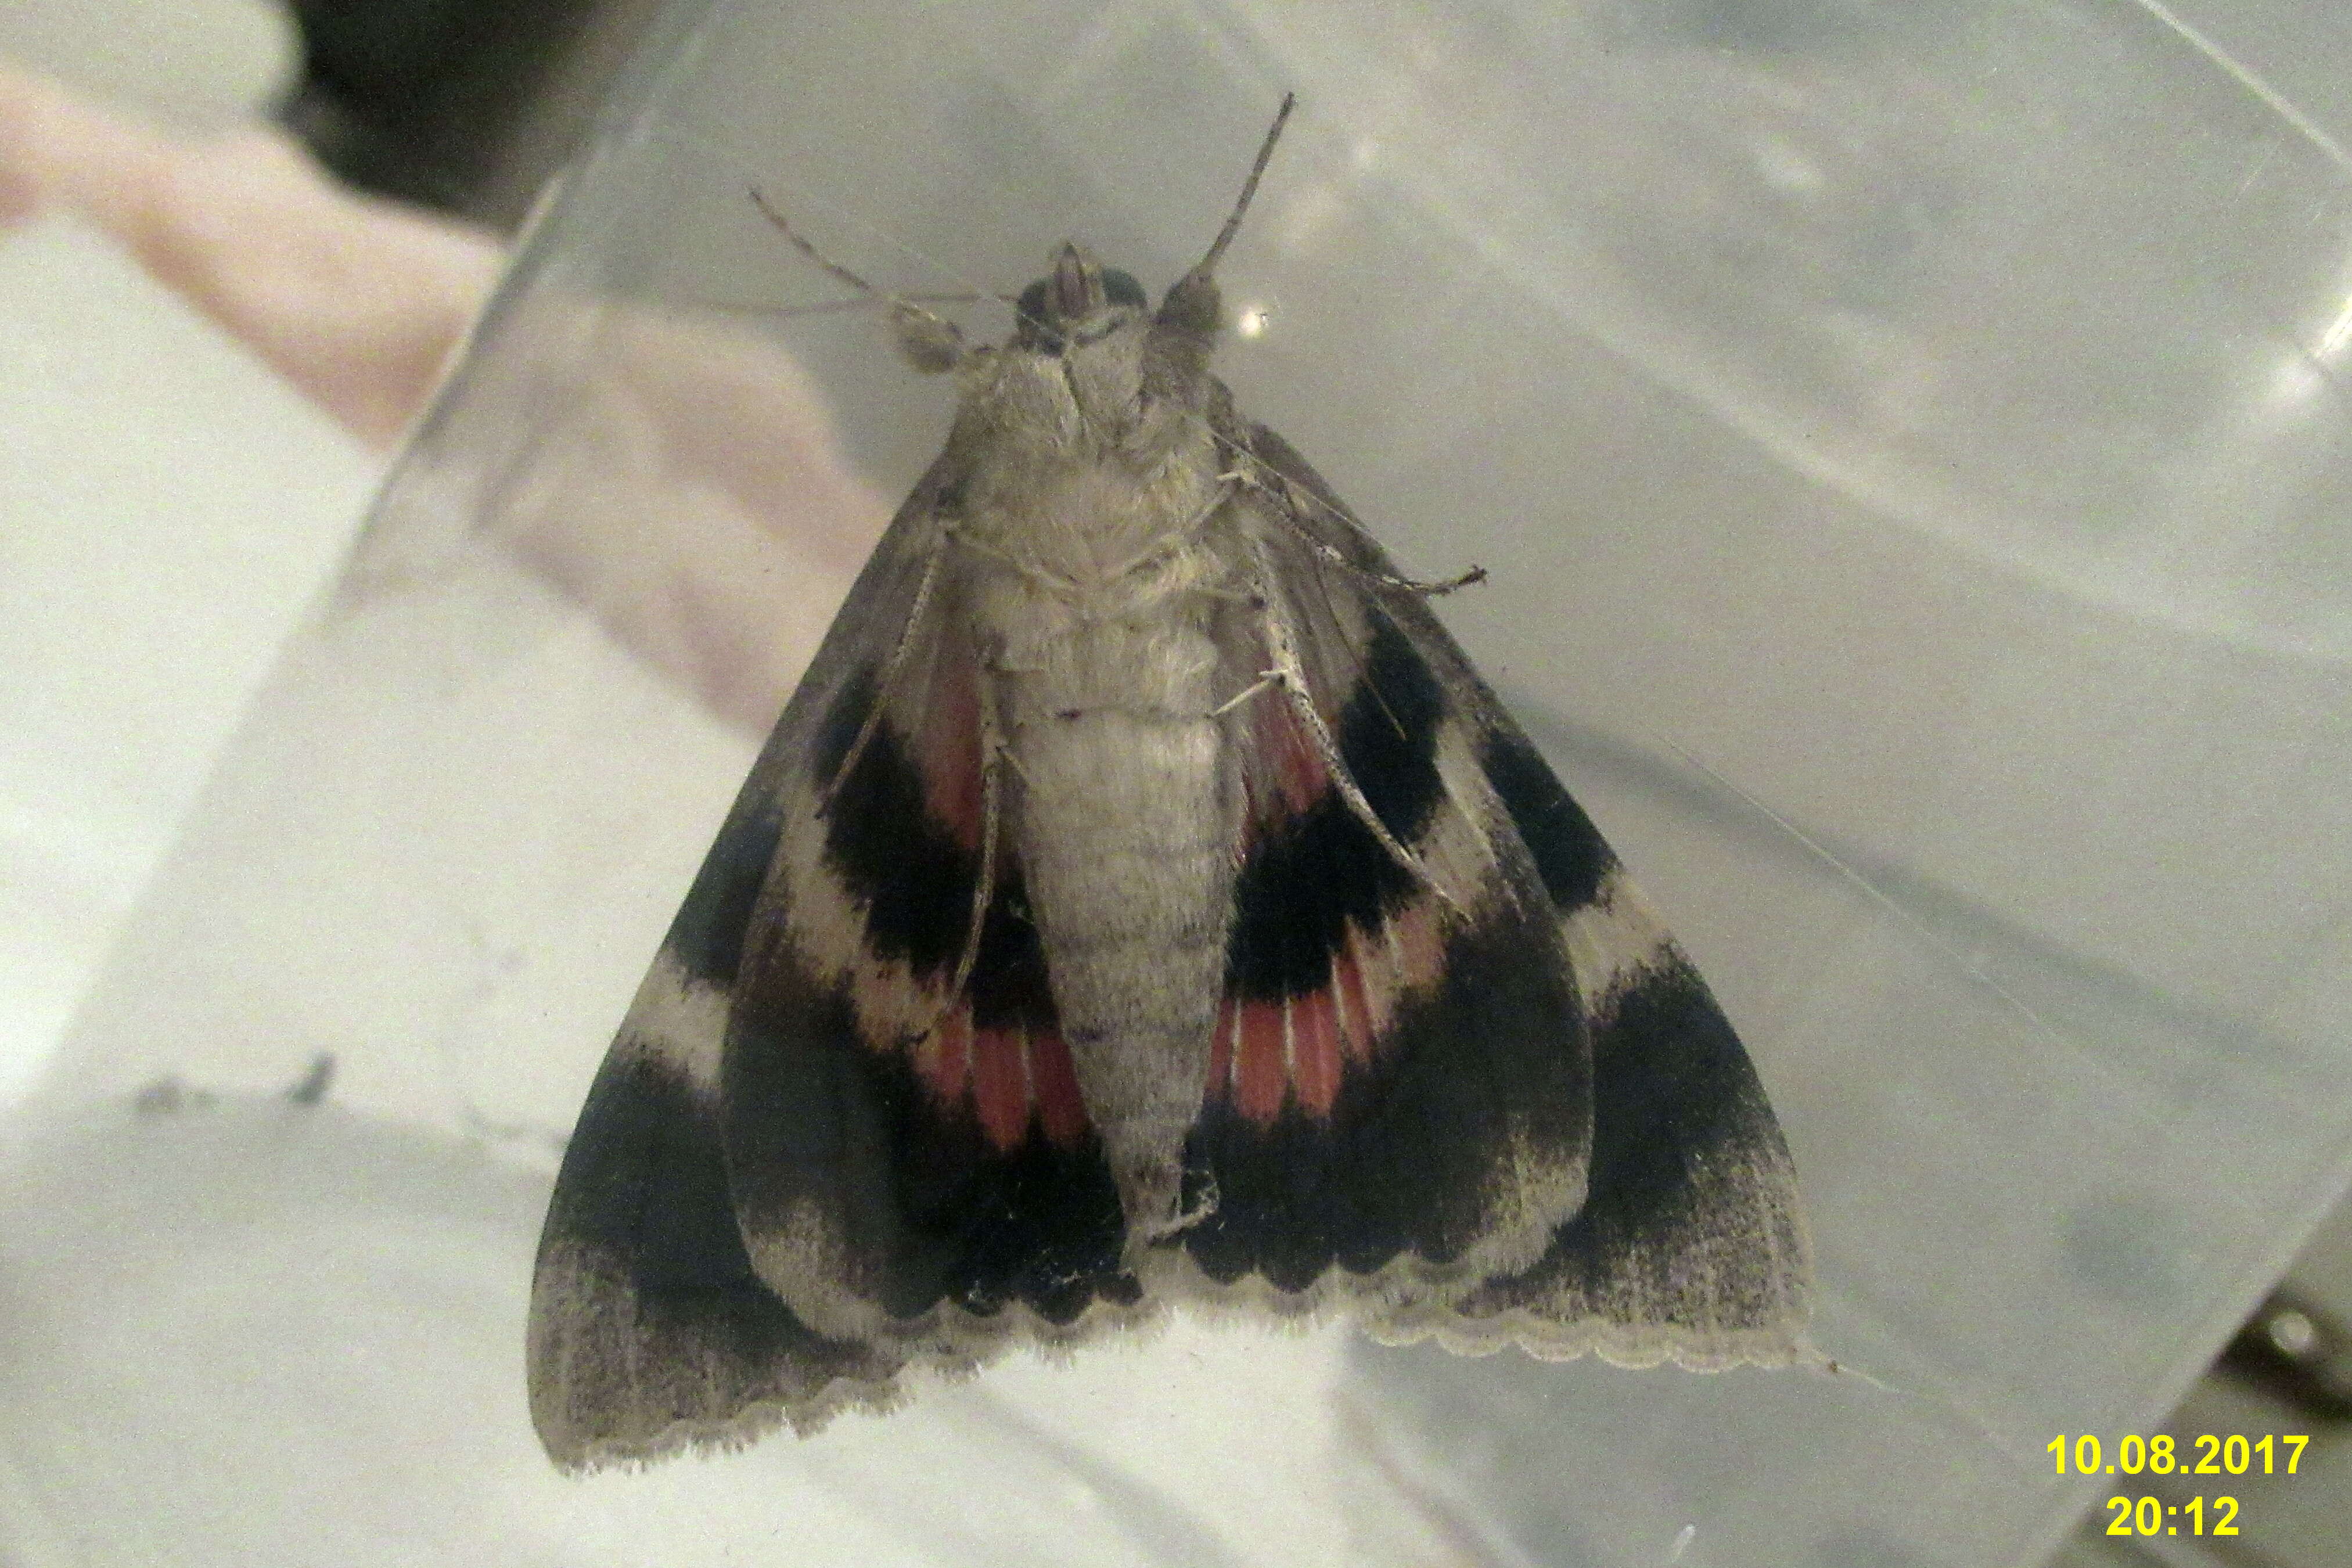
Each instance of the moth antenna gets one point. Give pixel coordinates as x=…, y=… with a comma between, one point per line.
x=784, y=226
x=1251, y=474
x=1249, y=188
x=826, y=307
x=929, y=341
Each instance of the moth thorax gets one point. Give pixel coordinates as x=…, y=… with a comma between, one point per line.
x=1071, y=545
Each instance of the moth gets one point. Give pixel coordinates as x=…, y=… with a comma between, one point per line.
x=1142, y=901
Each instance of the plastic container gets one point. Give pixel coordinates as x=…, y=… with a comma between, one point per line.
x=1908, y=451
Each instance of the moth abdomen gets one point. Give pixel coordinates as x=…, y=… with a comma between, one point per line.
x=1122, y=837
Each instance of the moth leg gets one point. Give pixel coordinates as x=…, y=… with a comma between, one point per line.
x=883, y=683
x=1286, y=498
x=995, y=754
x=1266, y=681
x=1288, y=675
x=1053, y=582
x=927, y=340
x=1200, y=1212
x=1183, y=539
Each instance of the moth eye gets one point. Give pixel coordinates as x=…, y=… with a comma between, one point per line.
x=1033, y=329
x=1121, y=288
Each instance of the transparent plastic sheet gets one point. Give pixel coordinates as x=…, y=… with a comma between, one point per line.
x=1908, y=453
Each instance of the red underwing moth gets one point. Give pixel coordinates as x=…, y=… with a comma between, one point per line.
x=1142, y=901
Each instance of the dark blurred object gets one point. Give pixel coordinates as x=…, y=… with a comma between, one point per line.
x=2299, y=1353
x=465, y=106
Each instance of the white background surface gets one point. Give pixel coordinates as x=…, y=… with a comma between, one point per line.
x=167, y=507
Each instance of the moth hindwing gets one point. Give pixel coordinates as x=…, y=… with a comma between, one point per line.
x=1142, y=901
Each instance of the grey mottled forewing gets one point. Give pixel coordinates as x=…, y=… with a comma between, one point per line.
x=1690, y=1244
x=649, y=1331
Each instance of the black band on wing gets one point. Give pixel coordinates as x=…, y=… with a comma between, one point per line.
x=1311, y=873
x=1300, y=886
x=645, y=1184
x=914, y=876
x=706, y=935
x=918, y=1204
x=944, y=1157
x=1484, y=1072
x=1691, y=1217
x=1388, y=732
x=663, y=1327
x=1570, y=854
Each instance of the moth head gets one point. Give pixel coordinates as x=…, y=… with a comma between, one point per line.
x=1078, y=303
x=1086, y=343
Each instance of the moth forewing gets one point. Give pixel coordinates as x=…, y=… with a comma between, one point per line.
x=1141, y=902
